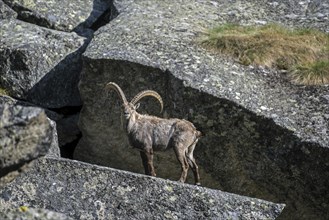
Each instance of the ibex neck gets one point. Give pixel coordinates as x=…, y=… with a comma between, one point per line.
x=132, y=121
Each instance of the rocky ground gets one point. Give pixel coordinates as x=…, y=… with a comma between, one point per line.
x=263, y=136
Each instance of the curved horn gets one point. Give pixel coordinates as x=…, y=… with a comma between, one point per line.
x=144, y=93
x=112, y=85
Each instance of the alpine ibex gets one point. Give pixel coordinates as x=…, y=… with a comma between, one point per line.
x=149, y=133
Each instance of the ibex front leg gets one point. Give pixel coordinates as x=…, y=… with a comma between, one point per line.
x=147, y=158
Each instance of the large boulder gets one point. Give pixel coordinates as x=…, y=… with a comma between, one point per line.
x=67, y=15
x=84, y=191
x=263, y=136
x=25, y=134
x=40, y=65
x=6, y=11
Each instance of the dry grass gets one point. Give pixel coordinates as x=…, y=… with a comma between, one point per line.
x=303, y=52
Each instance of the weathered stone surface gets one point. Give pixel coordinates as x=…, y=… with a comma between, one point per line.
x=54, y=150
x=39, y=64
x=14, y=174
x=263, y=136
x=296, y=13
x=6, y=11
x=84, y=191
x=67, y=15
x=25, y=213
x=25, y=134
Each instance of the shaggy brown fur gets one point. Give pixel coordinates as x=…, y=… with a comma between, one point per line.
x=149, y=133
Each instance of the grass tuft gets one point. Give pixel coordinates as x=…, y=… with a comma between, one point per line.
x=3, y=92
x=304, y=53
x=316, y=73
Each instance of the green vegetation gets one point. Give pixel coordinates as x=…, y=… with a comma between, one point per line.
x=3, y=91
x=304, y=53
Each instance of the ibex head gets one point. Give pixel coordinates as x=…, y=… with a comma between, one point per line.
x=130, y=107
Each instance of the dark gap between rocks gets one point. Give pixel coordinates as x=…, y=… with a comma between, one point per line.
x=105, y=18
x=67, y=110
x=67, y=130
x=68, y=149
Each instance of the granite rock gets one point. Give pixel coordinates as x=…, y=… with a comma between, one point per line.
x=40, y=65
x=25, y=134
x=85, y=191
x=264, y=137
x=6, y=11
x=25, y=213
x=64, y=15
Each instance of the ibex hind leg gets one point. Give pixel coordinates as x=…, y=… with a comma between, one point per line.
x=181, y=157
x=192, y=163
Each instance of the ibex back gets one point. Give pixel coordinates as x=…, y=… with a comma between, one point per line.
x=149, y=133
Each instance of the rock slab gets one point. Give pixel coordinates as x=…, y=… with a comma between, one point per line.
x=6, y=11
x=102, y=193
x=64, y=15
x=25, y=134
x=40, y=65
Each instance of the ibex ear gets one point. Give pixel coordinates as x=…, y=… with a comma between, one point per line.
x=137, y=105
